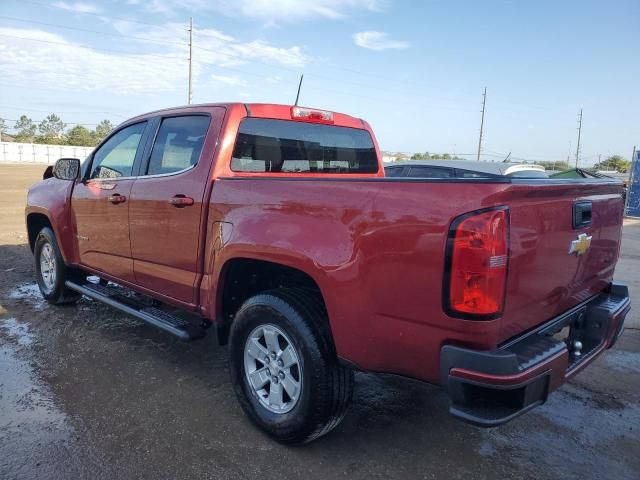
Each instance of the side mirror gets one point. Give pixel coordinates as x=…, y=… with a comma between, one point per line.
x=67, y=169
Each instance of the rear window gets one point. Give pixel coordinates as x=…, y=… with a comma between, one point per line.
x=266, y=145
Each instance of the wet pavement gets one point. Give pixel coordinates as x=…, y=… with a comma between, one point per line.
x=86, y=392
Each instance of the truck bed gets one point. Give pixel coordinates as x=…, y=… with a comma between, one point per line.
x=378, y=246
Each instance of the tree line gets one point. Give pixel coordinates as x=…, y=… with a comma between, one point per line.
x=52, y=130
x=434, y=156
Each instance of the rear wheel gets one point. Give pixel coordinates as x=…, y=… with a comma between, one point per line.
x=51, y=271
x=284, y=368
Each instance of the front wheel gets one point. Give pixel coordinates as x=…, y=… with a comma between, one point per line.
x=51, y=271
x=284, y=368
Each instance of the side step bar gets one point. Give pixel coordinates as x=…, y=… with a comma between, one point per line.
x=176, y=326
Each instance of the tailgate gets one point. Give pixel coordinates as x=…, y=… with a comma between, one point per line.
x=544, y=279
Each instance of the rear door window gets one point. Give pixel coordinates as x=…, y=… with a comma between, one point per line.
x=178, y=144
x=266, y=145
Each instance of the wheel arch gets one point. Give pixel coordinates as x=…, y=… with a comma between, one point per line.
x=243, y=277
x=36, y=221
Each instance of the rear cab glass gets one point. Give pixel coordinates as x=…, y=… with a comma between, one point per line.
x=269, y=145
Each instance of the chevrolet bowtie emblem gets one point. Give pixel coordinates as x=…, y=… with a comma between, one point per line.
x=580, y=245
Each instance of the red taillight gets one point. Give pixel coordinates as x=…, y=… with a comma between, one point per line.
x=310, y=115
x=478, y=252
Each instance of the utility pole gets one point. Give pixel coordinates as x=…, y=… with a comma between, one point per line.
x=190, y=58
x=579, y=134
x=630, y=180
x=484, y=102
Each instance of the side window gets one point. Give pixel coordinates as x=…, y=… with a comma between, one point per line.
x=424, y=171
x=178, y=144
x=115, y=158
x=393, y=171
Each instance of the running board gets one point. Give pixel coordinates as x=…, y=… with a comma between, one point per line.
x=112, y=296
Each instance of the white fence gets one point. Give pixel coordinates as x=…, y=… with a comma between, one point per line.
x=11, y=152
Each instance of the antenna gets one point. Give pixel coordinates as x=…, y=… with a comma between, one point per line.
x=299, y=87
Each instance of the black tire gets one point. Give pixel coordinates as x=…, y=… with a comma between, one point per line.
x=327, y=387
x=56, y=293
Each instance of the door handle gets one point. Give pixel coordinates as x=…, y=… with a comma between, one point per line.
x=116, y=198
x=180, y=201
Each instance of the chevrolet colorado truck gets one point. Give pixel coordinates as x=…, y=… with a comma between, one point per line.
x=274, y=227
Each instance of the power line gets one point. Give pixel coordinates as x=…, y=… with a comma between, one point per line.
x=96, y=32
x=12, y=107
x=66, y=123
x=67, y=44
x=333, y=66
x=93, y=14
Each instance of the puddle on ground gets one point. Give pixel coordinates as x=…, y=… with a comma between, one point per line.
x=37, y=439
x=19, y=331
x=30, y=292
x=573, y=419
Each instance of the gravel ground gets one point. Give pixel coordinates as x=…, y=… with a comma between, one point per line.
x=86, y=392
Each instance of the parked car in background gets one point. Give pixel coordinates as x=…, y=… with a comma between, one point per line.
x=462, y=169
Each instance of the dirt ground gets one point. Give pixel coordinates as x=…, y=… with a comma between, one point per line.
x=87, y=392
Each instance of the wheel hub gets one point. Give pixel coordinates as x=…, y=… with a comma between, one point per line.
x=48, y=266
x=273, y=369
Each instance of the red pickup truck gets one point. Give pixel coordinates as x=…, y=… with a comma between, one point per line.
x=276, y=226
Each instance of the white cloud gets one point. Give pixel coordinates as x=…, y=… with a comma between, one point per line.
x=50, y=59
x=31, y=57
x=269, y=10
x=378, y=41
x=77, y=7
x=229, y=80
x=213, y=46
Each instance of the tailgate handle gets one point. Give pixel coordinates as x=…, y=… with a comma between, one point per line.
x=582, y=214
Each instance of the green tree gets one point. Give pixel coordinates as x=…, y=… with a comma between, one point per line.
x=80, y=136
x=26, y=129
x=420, y=156
x=51, y=130
x=614, y=162
x=102, y=130
x=3, y=127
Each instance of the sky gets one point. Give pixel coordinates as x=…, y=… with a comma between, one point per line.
x=415, y=70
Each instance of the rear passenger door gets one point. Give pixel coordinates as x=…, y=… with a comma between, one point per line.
x=166, y=203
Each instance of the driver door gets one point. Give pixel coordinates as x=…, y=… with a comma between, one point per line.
x=100, y=203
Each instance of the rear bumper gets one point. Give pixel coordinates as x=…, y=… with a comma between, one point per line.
x=488, y=388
